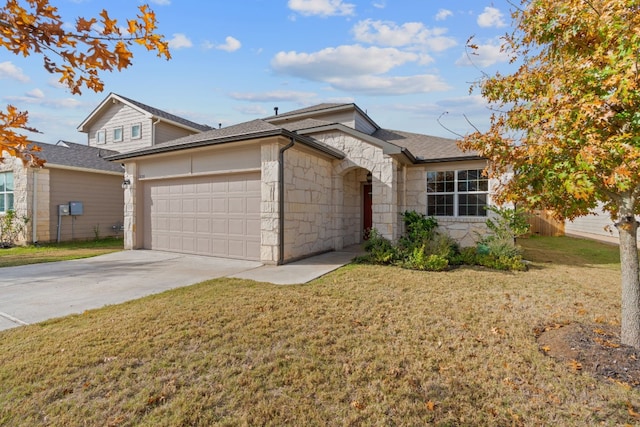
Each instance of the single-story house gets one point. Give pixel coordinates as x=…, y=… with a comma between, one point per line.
x=287, y=186
x=73, y=174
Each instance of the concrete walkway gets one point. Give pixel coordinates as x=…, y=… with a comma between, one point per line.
x=302, y=271
x=33, y=293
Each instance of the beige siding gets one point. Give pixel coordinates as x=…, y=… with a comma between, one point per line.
x=101, y=195
x=121, y=115
x=215, y=159
x=598, y=226
x=165, y=132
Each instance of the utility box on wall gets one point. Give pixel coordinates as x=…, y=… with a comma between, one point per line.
x=63, y=210
x=76, y=208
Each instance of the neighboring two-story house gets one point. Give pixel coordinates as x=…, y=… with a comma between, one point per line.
x=78, y=173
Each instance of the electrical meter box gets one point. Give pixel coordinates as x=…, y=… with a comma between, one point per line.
x=76, y=208
x=63, y=210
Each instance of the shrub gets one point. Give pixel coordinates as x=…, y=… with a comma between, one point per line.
x=12, y=228
x=380, y=249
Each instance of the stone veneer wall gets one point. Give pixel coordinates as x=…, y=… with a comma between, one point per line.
x=360, y=154
x=308, y=204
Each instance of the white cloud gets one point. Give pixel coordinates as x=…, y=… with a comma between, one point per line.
x=408, y=34
x=484, y=56
x=179, y=41
x=491, y=17
x=161, y=2
x=342, y=61
x=252, y=110
x=37, y=97
x=10, y=71
x=322, y=7
x=274, y=96
x=391, y=85
x=358, y=69
x=379, y=4
x=231, y=44
x=35, y=93
x=443, y=14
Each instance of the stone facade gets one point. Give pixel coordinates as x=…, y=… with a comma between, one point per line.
x=308, y=204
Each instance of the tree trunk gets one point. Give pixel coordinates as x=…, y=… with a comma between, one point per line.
x=628, y=228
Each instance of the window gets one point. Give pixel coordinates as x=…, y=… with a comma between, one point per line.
x=136, y=131
x=101, y=137
x=117, y=134
x=6, y=191
x=457, y=193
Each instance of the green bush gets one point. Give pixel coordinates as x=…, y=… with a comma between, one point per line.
x=380, y=249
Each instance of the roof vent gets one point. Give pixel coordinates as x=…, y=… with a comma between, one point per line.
x=219, y=125
x=276, y=110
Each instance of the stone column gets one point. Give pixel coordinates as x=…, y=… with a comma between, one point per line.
x=337, y=228
x=385, y=198
x=131, y=206
x=269, y=212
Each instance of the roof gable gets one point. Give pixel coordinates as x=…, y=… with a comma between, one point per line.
x=150, y=112
x=333, y=113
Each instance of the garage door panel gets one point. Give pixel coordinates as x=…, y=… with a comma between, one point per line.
x=216, y=215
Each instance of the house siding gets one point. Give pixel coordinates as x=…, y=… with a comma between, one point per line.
x=165, y=132
x=597, y=226
x=102, y=198
x=121, y=115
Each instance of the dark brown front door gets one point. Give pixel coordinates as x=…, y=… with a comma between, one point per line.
x=367, y=220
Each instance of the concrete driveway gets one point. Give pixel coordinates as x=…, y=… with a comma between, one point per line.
x=34, y=293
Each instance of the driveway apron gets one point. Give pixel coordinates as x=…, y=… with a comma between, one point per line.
x=34, y=293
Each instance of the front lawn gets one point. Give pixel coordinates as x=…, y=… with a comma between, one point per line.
x=63, y=251
x=365, y=345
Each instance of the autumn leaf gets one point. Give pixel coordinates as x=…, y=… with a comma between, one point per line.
x=431, y=406
x=77, y=56
x=575, y=365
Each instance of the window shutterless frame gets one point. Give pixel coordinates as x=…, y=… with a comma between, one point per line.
x=457, y=193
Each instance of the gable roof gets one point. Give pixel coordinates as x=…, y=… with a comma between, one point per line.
x=151, y=112
x=77, y=156
x=253, y=129
x=314, y=110
x=426, y=148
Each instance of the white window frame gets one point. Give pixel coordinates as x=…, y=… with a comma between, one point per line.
x=139, y=126
x=457, y=192
x=5, y=193
x=121, y=137
x=101, y=137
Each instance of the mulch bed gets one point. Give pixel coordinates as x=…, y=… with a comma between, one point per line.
x=595, y=349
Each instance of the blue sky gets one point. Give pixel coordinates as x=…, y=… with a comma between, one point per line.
x=402, y=61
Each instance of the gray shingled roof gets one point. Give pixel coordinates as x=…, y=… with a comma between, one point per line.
x=246, y=128
x=167, y=116
x=425, y=147
x=313, y=108
x=77, y=155
x=243, y=131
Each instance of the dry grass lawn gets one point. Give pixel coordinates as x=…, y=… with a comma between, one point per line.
x=365, y=345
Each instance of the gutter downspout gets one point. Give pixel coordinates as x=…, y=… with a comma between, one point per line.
x=153, y=130
x=281, y=200
x=34, y=208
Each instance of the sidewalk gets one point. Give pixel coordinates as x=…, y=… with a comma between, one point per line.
x=302, y=271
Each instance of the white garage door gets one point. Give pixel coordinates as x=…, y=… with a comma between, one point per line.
x=210, y=215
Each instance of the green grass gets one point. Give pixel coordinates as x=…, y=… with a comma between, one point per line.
x=63, y=251
x=571, y=251
x=365, y=345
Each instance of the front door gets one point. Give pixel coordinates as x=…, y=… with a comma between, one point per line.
x=367, y=212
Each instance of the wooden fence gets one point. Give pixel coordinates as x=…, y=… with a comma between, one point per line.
x=543, y=224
